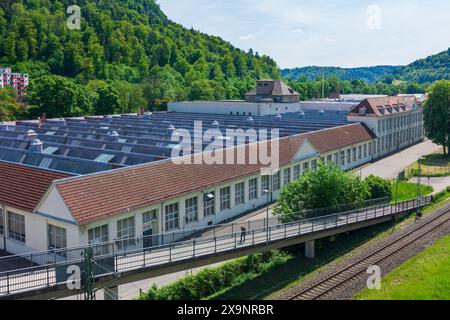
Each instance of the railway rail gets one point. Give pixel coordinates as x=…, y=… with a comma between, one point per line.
x=335, y=281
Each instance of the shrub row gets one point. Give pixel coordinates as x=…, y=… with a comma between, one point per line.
x=212, y=280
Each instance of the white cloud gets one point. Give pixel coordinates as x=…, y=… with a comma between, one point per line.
x=321, y=32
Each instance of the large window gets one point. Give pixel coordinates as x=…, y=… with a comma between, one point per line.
x=305, y=166
x=265, y=183
x=209, y=208
x=287, y=176
x=126, y=232
x=296, y=172
x=150, y=216
x=2, y=222
x=239, y=193
x=57, y=237
x=253, y=189
x=225, y=202
x=171, y=217
x=276, y=181
x=314, y=164
x=16, y=227
x=191, y=210
x=99, y=235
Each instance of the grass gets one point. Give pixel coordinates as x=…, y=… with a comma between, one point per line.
x=433, y=165
x=423, y=277
x=299, y=269
x=408, y=191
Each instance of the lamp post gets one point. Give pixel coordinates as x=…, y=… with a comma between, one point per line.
x=267, y=192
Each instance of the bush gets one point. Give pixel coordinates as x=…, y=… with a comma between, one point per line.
x=212, y=280
x=378, y=187
x=326, y=187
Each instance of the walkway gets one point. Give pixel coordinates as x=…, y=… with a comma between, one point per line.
x=131, y=264
x=438, y=184
x=390, y=167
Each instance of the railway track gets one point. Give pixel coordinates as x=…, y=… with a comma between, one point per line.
x=320, y=289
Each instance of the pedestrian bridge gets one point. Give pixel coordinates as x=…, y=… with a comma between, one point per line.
x=46, y=274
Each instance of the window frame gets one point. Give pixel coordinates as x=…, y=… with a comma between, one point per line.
x=191, y=210
x=171, y=217
x=253, y=189
x=13, y=220
x=225, y=198
x=126, y=232
x=209, y=206
x=239, y=195
x=56, y=234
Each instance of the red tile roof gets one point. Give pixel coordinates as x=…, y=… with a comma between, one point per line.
x=101, y=195
x=22, y=187
x=332, y=139
x=376, y=106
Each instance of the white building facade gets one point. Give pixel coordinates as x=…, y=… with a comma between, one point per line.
x=56, y=222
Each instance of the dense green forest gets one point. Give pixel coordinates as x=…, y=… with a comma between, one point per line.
x=128, y=45
x=428, y=70
x=368, y=74
x=313, y=89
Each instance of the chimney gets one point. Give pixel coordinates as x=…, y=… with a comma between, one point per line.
x=30, y=135
x=170, y=130
x=4, y=126
x=114, y=136
x=147, y=115
x=36, y=146
x=250, y=121
x=62, y=122
x=278, y=117
x=215, y=124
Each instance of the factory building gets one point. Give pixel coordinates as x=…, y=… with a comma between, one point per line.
x=72, y=182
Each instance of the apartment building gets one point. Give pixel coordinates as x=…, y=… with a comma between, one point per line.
x=18, y=81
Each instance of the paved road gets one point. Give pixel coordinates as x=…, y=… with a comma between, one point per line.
x=438, y=184
x=390, y=167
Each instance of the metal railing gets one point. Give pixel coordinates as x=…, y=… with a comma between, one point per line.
x=47, y=269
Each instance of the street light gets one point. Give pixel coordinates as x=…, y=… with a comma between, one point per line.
x=267, y=192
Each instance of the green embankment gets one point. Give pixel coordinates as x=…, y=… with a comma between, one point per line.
x=424, y=277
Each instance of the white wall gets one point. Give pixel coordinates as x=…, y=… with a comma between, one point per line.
x=238, y=107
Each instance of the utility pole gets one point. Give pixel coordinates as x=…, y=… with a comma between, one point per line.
x=88, y=275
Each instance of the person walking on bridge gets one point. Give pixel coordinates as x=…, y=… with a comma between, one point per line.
x=243, y=233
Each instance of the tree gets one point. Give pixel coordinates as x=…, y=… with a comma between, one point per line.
x=58, y=97
x=326, y=187
x=436, y=113
x=378, y=187
x=108, y=101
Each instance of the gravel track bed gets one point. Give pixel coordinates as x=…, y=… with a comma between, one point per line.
x=347, y=290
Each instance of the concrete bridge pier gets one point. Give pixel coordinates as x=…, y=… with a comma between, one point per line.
x=111, y=293
x=310, y=249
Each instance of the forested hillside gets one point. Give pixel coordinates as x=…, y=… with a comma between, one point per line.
x=368, y=74
x=428, y=70
x=128, y=44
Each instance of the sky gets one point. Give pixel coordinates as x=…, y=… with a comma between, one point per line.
x=343, y=33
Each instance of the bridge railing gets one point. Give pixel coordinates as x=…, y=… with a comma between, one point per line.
x=109, y=261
